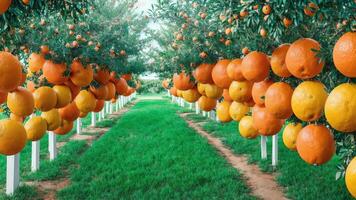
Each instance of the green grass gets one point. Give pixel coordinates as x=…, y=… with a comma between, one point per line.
x=23, y=192
x=67, y=158
x=301, y=181
x=152, y=154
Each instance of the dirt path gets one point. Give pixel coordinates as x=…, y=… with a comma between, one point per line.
x=263, y=185
x=47, y=189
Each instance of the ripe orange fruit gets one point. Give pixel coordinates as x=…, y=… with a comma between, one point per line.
x=111, y=91
x=4, y=6
x=102, y=76
x=249, y=103
x=278, y=100
x=121, y=86
x=45, y=98
x=64, y=128
x=73, y=88
x=3, y=97
x=243, y=13
x=259, y=90
x=344, y=54
x=265, y=123
x=311, y=9
x=36, y=62
x=85, y=101
x=31, y=86
x=255, y=66
x=23, y=79
x=81, y=76
x=99, y=105
x=45, y=49
x=301, y=61
x=21, y=102
x=36, y=128
x=13, y=137
x=179, y=93
x=182, y=81
x=127, y=77
x=16, y=118
x=83, y=114
x=240, y=91
x=113, y=76
x=287, y=22
x=350, y=177
x=64, y=95
x=101, y=92
x=308, y=100
x=70, y=112
x=203, y=73
x=315, y=144
x=228, y=31
x=10, y=71
x=222, y=111
x=52, y=118
x=191, y=95
x=245, y=51
x=340, y=108
x=219, y=74
x=201, y=88
x=266, y=9
x=234, y=70
x=290, y=134
x=165, y=84
x=263, y=32
x=206, y=103
x=173, y=91
x=226, y=95
x=213, y=91
x=54, y=73
x=278, y=64
x=238, y=110
x=246, y=128
x=26, y=2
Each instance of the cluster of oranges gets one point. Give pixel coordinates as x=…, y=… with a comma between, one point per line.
x=60, y=97
x=262, y=107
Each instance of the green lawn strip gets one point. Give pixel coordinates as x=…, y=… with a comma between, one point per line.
x=23, y=192
x=152, y=154
x=25, y=155
x=109, y=122
x=67, y=157
x=301, y=180
x=106, y=123
x=196, y=118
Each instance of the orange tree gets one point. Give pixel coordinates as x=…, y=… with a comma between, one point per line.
x=101, y=35
x=105, y=35
x=15, y=11
x=198, y=32
x=85, y=52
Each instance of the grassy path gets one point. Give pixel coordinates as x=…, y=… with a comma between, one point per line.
x=263, y=185
x=152, y=154
x=302, y=181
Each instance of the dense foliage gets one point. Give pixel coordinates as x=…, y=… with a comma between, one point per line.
x=200, y=31
x=151, y=87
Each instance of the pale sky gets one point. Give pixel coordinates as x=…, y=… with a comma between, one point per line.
x=144, y=5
